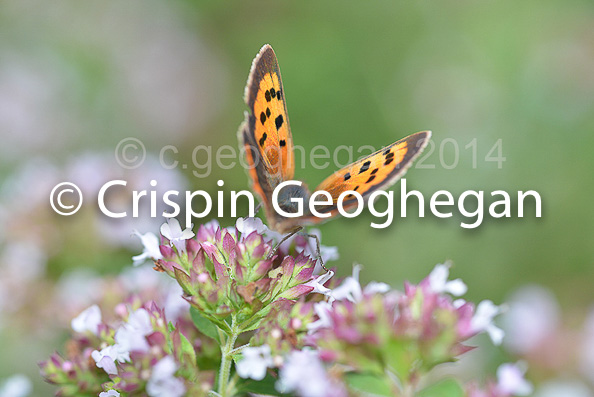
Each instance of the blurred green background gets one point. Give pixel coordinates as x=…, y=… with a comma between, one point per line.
x=78, y=77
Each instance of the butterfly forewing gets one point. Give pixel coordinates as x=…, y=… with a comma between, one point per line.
x=268, y=122
x=379, y=170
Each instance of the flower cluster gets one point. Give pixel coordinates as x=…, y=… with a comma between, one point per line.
x=510, y=382
x=391, y=339
x=138, y=351
x=555, y=344
x=228, y=273
x=262, y=318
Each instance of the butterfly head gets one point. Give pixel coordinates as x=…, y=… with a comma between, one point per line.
x=291, y=197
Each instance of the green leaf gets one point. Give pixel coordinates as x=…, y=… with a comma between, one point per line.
x=187, y=349
x=263, y=387
x=183, y=280
x=444, y=388
x=204, y=325
x=402, y=357
x=369, y=384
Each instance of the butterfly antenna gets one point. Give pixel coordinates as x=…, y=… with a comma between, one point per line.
x=257, y=209
x=318, y=250
x=285, y=238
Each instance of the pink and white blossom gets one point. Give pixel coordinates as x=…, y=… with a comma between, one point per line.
x=106, y=358
x=177, y=237
x=511, y=381
x=246, y=226
x=88, y=320
x=131, y=336
x=109, y=393
x=16, y=386
x=304, y=374
x=163, y=382
x=254, y=363
x=482, y=321
x=150, y=243
x=438, y=281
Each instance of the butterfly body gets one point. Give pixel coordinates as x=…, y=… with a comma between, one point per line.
x=267, y=140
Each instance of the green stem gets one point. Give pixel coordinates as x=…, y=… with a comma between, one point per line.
x=227, y=358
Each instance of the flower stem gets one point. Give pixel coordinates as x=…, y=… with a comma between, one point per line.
x=227, y=358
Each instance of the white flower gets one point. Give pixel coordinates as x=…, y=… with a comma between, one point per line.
x=318, y=283
x=438, y=281
x=350, y=289
x=131, y=335
x=533, y=317
x=151, y=250
x=16, y=386
x=248, y=225
x=322, y=310
x=375, y=287
x=107, y=357
x=510, y=380
x=175, y=305
x=172, y=231
x=482, y=321
x=88, y=320
x=254, y=363
x=162, y=382
x=140, y=321
x=304, y=374
x=109, y=393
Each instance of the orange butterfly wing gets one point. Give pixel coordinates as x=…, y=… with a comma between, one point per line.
x=266, y=137
x=265, y=133
x=268, y=121
x=377, y=171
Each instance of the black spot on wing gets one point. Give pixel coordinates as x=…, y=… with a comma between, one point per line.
x=278, y=95
x=374, y=171
x=388, y=161
x=365, y=166
x=347, y=176
x=262, y=118
x=263, y=139
x=279, y=121
x=282, y=143
x=371, y=178
x=272, y=92
x=267, y=96
x=267, y=112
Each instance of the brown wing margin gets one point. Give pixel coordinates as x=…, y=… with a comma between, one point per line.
x=264, y=63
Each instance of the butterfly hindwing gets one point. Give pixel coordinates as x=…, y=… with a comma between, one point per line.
x=377, y=171
x=268, y=121
x=258, y=170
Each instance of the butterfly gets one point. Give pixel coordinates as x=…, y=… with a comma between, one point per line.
x=266, y=137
